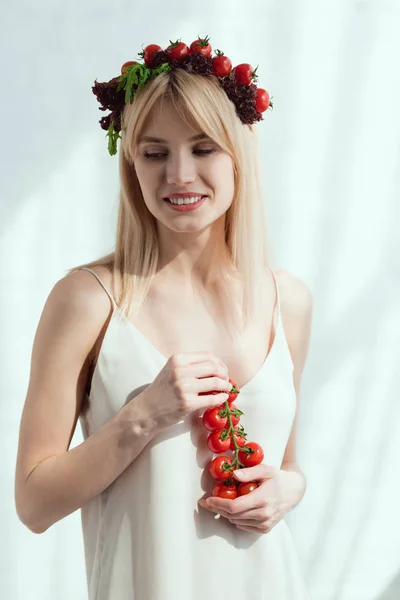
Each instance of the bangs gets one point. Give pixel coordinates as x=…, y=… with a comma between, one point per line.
x=200, y=102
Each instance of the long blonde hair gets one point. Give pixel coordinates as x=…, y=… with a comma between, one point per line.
x=134, y=261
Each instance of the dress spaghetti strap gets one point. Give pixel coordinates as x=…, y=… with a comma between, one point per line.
x=132, y=515
x=101, y=283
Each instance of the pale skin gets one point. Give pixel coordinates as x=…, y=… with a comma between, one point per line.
x=192, y=246
x=51, y=480
x=282, y=489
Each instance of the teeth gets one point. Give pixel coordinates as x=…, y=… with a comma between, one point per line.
x=185, y=200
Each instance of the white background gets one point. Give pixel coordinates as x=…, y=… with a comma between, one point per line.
x=331, y=176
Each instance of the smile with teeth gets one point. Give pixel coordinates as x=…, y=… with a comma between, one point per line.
x=191, y=200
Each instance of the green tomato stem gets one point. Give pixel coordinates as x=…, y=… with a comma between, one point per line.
x=232, y=429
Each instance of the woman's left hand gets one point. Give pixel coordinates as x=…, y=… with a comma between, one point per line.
x=260, y=510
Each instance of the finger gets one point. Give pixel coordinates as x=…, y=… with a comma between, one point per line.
x=239, y=505
x=251, y=529
x=261, y=471
x=254, y=515
x=209, y=377
x=245, y=522
x=218, y=512
x=226, y=514
x=209, y=368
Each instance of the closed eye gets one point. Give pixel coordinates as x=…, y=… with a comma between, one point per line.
x=161, y=155
x=204, y=151
x=153, y=155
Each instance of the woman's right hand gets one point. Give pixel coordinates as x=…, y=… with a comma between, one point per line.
x=174, y=392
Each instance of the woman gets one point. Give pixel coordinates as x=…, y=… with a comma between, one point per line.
x=139, y=344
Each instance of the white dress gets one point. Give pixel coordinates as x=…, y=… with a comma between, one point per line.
x=145, y=537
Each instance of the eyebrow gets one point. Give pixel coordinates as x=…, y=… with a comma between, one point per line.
x=155, y=140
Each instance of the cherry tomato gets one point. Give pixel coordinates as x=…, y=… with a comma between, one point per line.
x=125, y=66
x=217, y=470
x=149, y=51
x=222, y=65
x=235, y=420
x=224, y=491
x=244, y=73
x=233, y=394
x=251, y=459
x=177, y=50
x=240, y=441
x=201, y=46
x=262, y=100
x=216, y=444
x=246, y=487
x=212, y=419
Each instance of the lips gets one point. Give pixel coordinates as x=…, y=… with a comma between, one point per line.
x=184, y=207
x=184, y=195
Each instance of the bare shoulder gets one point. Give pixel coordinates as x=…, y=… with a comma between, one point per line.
x=297, y=311
x=81, y=282
x=83, y=291
x=69, y=326
x=295, y=295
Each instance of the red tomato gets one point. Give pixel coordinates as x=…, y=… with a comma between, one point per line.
x=216, y=444
x=251, y=459
x=149, y=52
x=224, y=491
x=244, y=73
x=235, y=420
x=246, y=487
x=217, y=468
x=240, y=440
x=177, y=50
x=262, y=100
x=233, y=394
x=127, y=64
x=212, y=419
x=222, y=66
x=201, y=46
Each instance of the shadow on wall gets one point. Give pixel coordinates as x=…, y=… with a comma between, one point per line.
x=392, y=592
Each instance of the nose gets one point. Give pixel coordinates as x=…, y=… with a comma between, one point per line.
x=180, y=169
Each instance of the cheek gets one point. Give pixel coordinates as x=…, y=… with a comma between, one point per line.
x=148, y=177
x=223, y=177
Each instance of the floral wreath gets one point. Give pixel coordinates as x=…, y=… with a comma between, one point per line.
x=238, y=82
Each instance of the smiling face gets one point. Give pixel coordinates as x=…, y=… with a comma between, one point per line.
x=175, y=158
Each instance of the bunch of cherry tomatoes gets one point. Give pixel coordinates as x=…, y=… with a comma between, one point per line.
x=222, y=66
x=222, y=422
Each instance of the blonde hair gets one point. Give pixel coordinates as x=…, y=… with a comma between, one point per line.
x=201, y=100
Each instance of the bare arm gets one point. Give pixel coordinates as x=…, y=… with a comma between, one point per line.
x=297, y=313
x=52, y=481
